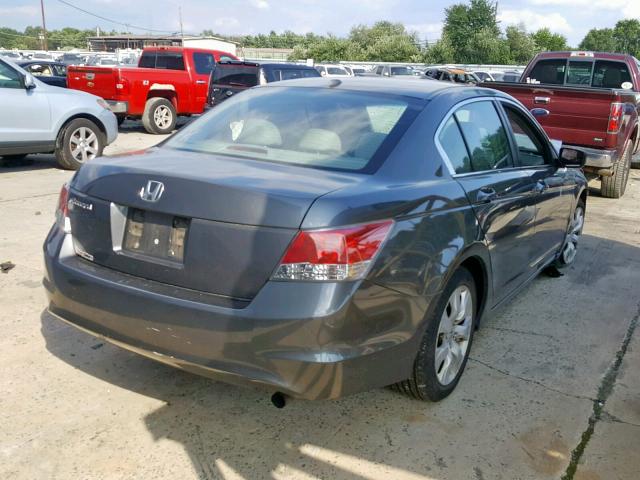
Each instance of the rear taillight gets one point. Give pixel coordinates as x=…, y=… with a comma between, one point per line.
x=333, y=255
x=615, y=118
x=62, y=212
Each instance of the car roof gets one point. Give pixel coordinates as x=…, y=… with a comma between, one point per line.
x=285, y=65
x=576, y=55
x=415, y=87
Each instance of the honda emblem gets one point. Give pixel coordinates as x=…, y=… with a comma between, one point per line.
x=152, y=191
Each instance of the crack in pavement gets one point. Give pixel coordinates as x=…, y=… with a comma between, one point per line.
x=529, y=380
x=605, y=390
x=609, y=417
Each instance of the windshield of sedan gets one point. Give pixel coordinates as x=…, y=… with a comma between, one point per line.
x=401, y=71
x=314, y=127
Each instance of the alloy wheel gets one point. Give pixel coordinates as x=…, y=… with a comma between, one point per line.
x=454, y=333
x=84, y=144
x=162, y=117
x=573, y=235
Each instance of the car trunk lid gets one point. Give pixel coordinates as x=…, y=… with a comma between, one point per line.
x=219, y=226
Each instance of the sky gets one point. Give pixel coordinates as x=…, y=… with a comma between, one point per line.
x=572, y=18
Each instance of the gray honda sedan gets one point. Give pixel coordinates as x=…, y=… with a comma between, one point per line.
x=318, y=237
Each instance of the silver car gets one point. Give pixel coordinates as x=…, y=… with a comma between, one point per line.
x=40, y=118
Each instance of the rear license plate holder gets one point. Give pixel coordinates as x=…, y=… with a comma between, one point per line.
x=156, y=235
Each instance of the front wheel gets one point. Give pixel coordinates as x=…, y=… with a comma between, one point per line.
x=446, y=343
x=574, y=232
x=80, y=141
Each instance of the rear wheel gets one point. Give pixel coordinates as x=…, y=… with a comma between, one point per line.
x=570, y=249
x=159, y=116
x=446, y=342
x=78, y=143
x=615, y=185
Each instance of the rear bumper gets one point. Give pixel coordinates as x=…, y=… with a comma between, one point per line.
x=117, y=106
x=311, y=341
x=598, y=159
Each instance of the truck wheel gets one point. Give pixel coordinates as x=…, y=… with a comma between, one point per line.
x=615, y=185
x=80, y=141
x=446, y=343
x=159, y=116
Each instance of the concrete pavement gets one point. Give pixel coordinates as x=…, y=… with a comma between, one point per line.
x=551, y=391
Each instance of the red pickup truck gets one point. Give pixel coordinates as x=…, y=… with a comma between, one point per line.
x=589, y=101
x=168, y=82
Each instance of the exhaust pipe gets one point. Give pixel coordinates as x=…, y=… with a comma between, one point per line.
x=279, y=400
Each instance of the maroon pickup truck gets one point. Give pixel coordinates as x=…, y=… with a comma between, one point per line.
x=589, y=101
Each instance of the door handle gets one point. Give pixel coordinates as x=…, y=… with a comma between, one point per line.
x=486, y=195
x=200, y=82
x=542, y=100
x=541, y=186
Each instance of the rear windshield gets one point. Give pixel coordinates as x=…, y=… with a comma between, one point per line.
x=162, y=59
x=291, y=73
x=238, y=75
x=598, y=74
x=313, y=127
x=401, y=71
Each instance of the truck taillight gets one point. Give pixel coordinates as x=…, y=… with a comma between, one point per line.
x=615, y=118
x=333, y=255
x=62, y=212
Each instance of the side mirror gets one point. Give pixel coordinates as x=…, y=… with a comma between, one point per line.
x=572, y=158
x=539, y=112
x=29, y=82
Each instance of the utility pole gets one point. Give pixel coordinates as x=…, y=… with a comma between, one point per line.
x=180, y=15
x=44, y=27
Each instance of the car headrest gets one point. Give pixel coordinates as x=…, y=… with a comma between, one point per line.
x=260, y=132
x=320, y=140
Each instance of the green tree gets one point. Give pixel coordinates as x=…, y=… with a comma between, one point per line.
x=599, y=40
x=440, y=52
x=466, y=25
x=627, y=36
x=547, y=41
x=521, y=46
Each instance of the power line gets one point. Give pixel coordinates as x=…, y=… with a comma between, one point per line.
x=128, y=25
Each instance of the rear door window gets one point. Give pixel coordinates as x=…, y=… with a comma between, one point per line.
x=204, y=62
x=611, y=74
x=452, y=143
x=579, y=73
x=485, y=136
x=550, y=72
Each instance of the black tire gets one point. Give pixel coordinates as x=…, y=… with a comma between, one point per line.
x=424, y=383
x=574, y=232
x=159, y=116
x=65, y=146
x=615, y=186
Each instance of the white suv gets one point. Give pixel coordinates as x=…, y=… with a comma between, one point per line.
x=40, y=118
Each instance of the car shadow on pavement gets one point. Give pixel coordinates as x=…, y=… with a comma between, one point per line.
x=30, y=162
x=234, y=432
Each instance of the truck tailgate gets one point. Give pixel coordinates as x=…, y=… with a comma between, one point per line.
x=578, y=116
x=100, y=81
